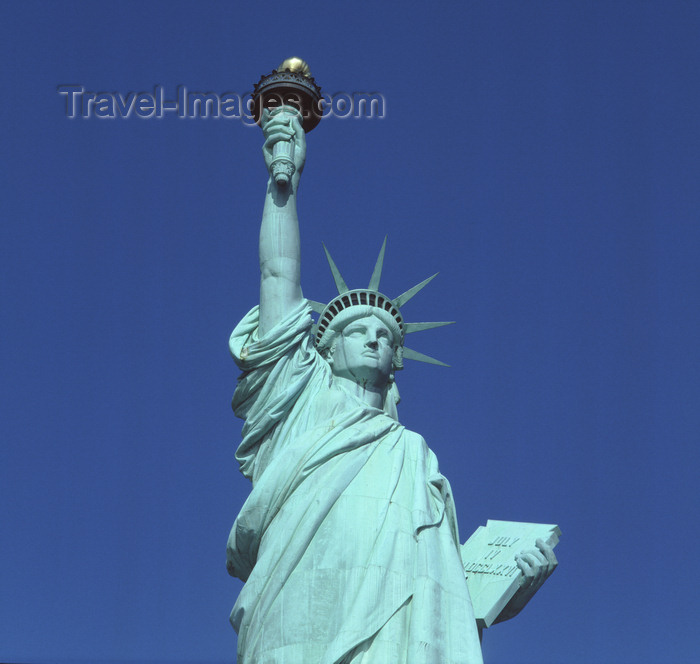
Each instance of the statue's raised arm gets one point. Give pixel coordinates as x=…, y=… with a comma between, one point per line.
x=280, y=260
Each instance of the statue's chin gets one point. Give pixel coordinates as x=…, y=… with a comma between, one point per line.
x=366, y=377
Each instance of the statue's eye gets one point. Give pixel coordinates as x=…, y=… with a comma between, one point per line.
x=355, y=331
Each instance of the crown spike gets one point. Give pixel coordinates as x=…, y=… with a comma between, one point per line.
x=405, y=297
x=409, y=353
x=418, y=327
x=377, y=274
x=339, y=281
x=318, y=307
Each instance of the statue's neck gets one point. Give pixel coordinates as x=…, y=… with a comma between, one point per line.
x=370, y=394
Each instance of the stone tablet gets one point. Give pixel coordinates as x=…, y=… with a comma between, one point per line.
x=489, y=554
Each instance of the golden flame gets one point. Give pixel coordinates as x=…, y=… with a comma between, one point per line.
x=295, y=65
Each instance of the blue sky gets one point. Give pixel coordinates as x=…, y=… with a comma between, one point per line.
x=543, y=156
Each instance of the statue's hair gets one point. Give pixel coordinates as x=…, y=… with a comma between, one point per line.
x=353, y=313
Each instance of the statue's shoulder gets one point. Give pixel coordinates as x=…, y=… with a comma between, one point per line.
x=415, y=440
x=420, y=449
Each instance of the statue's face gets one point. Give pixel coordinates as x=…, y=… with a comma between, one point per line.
x=364, y=352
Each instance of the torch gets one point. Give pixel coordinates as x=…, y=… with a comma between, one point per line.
x=290, y=86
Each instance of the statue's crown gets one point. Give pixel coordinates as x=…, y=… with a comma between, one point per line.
x=349, y=302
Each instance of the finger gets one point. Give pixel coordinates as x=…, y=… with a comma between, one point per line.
x=276, y=110
x=525, y=565
x=535, y=557
x=537, y=569
x=271, y=118
x=550, y=558
x=539, y=575
x=276, y=138
x=296, y=125
x=281, y=124
x=526, y=572
x=285, y=132
x=548, y=552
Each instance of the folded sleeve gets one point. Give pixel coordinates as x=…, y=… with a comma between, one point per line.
x=276, y=370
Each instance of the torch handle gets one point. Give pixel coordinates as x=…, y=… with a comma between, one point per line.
x=282, y=166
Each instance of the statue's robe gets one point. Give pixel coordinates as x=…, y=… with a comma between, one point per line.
x=348, y=542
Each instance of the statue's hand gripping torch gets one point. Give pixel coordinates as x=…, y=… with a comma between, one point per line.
x=289, y=92
x=282, y=165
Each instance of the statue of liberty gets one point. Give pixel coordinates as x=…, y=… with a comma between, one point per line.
x=348, y=543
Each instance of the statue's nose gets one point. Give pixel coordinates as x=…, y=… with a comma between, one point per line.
x=373, y=344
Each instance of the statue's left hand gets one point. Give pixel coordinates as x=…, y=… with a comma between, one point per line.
x=536, y=566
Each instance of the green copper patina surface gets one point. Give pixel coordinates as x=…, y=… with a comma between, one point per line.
x=348, y=543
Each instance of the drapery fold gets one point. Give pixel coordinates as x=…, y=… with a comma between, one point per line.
x=348, y=541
